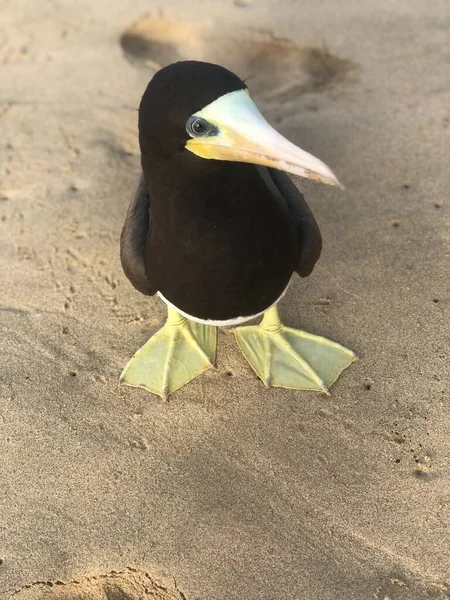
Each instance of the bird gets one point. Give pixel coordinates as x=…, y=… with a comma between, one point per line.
x=217, y=230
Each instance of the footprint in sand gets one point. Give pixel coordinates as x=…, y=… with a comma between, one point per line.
x=275, y=68
x=129, y=584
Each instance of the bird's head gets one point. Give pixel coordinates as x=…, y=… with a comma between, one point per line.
x=205, y=109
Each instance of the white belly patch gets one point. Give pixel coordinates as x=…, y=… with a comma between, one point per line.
x=225, y=323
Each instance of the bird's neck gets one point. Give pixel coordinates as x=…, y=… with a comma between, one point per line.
x=187, y=183
x=182, y=166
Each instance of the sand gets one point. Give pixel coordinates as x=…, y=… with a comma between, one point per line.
x=228, y=491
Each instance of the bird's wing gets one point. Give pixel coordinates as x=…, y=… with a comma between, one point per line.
x=134, y=238
x=309, y=237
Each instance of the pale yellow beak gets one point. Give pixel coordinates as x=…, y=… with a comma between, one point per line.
x=241, y=134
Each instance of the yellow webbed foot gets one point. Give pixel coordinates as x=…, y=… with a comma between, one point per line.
x=291, y=358
x=172, y=357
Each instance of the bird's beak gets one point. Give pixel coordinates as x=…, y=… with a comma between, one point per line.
x=241, y=134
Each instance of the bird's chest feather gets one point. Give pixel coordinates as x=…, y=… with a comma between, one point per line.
x=228, y=218
x=226, y=246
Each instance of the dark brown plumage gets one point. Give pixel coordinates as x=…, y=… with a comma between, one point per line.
x=218, y=239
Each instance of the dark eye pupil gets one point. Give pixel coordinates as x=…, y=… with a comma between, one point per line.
x=199, y=126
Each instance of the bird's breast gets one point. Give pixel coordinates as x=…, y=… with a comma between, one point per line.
x=224, y=253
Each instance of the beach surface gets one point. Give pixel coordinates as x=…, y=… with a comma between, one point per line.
x=228, y=491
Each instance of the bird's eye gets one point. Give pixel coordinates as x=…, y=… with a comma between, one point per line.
x=198, y=127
